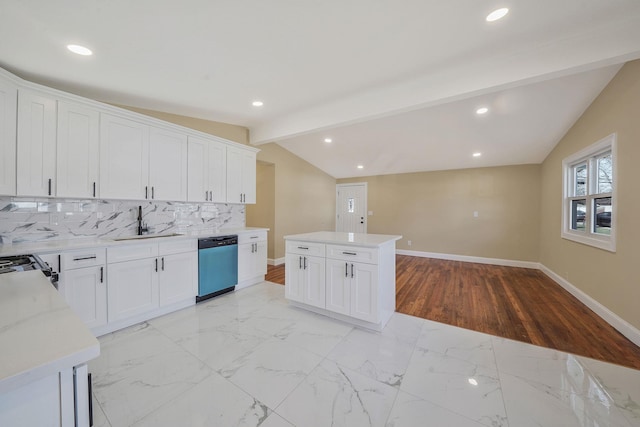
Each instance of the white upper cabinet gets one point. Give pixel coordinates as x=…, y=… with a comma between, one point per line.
x=241, y=175
x=207, y=171
x=36, y=148
x=78, y=151
x=124, y=159
x=8, y=105
x=167, y=165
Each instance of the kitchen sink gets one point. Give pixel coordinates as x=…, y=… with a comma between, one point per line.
x=147, y=236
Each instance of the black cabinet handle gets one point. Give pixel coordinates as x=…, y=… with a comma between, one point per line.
x=146, y=192
x=162, y=263
x=153, y=192
x=211, y=196
x=90, y=387
x=101, y=274
x=302, y=247
x=346, y=269
x=85, y=257
x=156, y=265
x=94, y=189
x=349, y=253
x=49, y=186
x=352, y=271
x=300, y=262
x=305, y=263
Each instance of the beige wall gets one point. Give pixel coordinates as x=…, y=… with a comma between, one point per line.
x=304, y=196
x=435, y=210
x=609, y=278
x=263, y=213
x=234, y=133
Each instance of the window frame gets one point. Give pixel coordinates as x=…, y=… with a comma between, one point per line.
x=589, y=155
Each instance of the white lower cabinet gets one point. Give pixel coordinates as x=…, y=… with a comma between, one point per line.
x=177, y=278
x=352, y=289
x=305, y=278
x=252, y=258
x=133, y=288
x=85, y=291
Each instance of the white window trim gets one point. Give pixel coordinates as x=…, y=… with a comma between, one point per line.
x=606, y=242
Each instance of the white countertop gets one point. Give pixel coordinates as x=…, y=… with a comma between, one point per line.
x=350, y=239
x=47, y=246
x=39, y=333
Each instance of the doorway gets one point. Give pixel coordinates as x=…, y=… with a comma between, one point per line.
x=351, y=207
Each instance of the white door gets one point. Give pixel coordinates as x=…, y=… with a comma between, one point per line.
x=124, y=159
x=167, y=165
x=8, y=102
x=77, y=147
x=85, y=291
x=351, y=208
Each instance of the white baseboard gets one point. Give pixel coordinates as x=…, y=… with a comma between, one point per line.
x=465, y=258
x=621, y=325
x=277, y=261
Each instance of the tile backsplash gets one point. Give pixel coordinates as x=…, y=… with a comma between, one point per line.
x=31, y=220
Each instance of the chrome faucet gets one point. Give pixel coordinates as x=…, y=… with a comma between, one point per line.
x=142, y=227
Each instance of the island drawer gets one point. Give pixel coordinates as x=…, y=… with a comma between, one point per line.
x=353, y=253
x=305, y=248
x=82, y=258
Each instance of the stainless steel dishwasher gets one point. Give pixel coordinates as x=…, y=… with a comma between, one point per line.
x=217, y=266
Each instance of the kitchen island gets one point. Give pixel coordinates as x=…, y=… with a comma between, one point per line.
x=45, y=348
x=347, y=276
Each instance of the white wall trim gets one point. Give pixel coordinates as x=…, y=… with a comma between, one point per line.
x=277, y=261
x=465, y=258
x=621, y=325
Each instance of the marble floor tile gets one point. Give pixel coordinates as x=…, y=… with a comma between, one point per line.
x=332, y=395
x=138, y=371
x=462, y=386
x=248, y=358
x=271, y=371
x=381, y=357
x=212, y=402
x=411, y=411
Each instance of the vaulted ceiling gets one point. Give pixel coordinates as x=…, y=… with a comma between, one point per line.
x=395, y=85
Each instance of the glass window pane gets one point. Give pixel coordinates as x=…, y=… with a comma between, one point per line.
x=580, y=180
x=602, y=215
x=578, y=214
x=351, y=205
x=605, y=174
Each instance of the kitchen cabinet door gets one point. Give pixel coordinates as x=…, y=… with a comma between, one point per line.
x=124, y=159
x=8, y=111
x=77, y=151
x=36, y=144
x=364, y=292
x=313, y=270
x=241, y=175
x=294, y=278
x=338, y=296
x=217, y=172
x=133, y=288
x=198, y=171
x=252, y=260
x=178, y=277
x=85, y=290
x=167, y=165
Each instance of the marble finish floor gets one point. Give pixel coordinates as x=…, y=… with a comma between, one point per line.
x=249, y=359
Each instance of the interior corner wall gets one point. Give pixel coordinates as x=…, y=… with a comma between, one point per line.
x=263, y=212
x=304, y=196
x=609, y=278
x=435, y=210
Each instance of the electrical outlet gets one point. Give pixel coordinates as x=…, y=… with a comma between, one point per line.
x=475, y=214
x=409, y=242
x=370, y=213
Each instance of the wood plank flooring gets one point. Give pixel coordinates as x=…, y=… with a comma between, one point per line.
x=516, y=303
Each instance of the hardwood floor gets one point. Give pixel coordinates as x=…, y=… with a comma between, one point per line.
x=516, y=303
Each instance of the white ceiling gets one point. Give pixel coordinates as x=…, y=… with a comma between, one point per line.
x=394, y=83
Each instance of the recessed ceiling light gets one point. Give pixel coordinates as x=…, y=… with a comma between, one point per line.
x=477, y=154
x=80, y=50
x=328, y=140
x=257, y=103
x=360, y=167
x=497, y=14
x=482, y=110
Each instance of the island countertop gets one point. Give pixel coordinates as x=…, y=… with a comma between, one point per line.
x=39, y=333
x=342, y=238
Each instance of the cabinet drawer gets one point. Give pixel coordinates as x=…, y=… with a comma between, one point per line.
x=82, y=258
x=352, y=253
x=305, y=248
x=181, y=246
x=130, y=252
x=255, y=236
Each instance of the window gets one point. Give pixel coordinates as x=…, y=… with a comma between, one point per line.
x=588, y=208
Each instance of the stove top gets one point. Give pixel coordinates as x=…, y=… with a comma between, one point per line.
x=10, y=264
